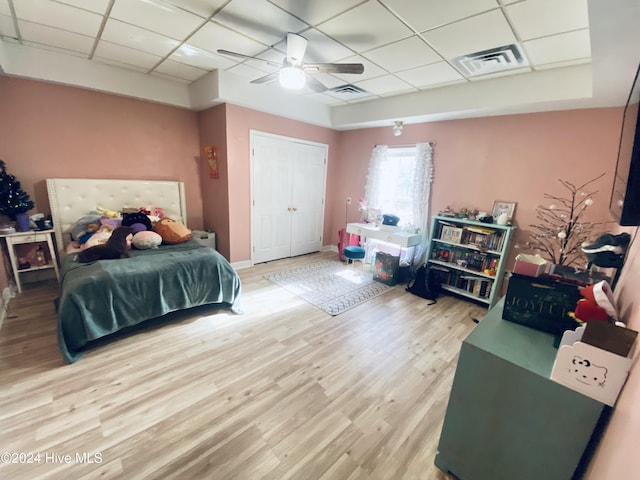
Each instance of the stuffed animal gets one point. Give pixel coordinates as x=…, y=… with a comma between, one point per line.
x=146, y=239
x=138, y=221
x=88, y=232
x=172, y=232
x=116, y=247
x=107, y=213
x=100, y=237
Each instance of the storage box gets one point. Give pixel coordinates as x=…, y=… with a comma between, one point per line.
x=542, y=303
x=208, y=239
x=386, y=268
x=592, y=371
x=530, y=265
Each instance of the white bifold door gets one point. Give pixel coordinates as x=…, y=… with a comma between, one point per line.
x=287, y=196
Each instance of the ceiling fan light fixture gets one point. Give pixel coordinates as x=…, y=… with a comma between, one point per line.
x=292, y=78
x=397, y=128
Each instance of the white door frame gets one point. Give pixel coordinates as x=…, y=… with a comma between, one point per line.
x=252, y=134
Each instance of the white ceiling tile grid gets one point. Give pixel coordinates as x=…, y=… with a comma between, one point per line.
x=404, y=45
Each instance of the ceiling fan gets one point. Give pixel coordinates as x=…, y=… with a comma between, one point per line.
x=294, y=73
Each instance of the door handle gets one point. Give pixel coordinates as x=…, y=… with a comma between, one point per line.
x=294, y=209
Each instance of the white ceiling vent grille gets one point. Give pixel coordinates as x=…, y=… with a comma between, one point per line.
x=494, y=60
x=348, y=89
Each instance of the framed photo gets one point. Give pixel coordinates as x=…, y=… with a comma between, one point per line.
x=500, y=207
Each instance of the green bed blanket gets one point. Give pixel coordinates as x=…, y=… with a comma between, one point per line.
x=101, y=298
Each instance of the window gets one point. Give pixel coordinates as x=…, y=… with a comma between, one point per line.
x=399, y=183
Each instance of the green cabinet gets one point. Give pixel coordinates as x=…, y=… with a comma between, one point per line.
x=470, y=256
x=506, y=419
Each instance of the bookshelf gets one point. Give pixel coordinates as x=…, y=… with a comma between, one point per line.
x=470, y=256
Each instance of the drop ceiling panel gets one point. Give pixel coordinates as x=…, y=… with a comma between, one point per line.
x=365, y=27
x=6, y=26
x=96, y=6
x=180, y=70
x=213, y=36
x=314, y=13
x=138, y=38
x=431, y=75
x=4, y=8
x=559, y=48
x=532, y=19
x=203, y=8
x=130, y=56
x=403, y=55
x=41, y=34
x=196, y=57
x=157, y=17
x=424, y=15
x=385, y=85
x=259, y=20
x=485, y=31
x=59, y=16
x=246, y=71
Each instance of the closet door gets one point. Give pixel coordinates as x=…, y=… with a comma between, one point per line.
x=307, y=197
x=288, y=184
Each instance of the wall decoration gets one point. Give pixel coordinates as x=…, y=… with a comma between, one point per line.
x=500, y=207
x=212, y=161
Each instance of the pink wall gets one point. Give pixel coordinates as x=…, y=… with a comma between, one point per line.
x=513, y=158
x=239, y=123
x=215, y=191
x=51, y=130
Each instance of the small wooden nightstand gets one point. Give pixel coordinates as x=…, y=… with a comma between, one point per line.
x=20, y=238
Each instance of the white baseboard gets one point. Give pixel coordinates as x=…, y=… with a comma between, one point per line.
x=330, y=248
x=241, y=265
x=7, y=295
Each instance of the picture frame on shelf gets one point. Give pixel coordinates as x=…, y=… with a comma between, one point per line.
x=500, y=207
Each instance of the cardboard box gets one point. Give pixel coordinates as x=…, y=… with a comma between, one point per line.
x=530, y=265
x=542, y=303
x=592, y=371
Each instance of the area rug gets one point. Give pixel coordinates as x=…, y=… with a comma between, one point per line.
x=330, y=285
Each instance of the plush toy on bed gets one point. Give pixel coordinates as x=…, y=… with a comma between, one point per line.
x=139, y=221
x=116, y=247
x=101, y=236
x=172, y=232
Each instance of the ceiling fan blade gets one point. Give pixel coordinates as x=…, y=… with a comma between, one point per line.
x=296, y=46
x=267, y=78
x=315, y=84
x=247, y=57
x=354, y=68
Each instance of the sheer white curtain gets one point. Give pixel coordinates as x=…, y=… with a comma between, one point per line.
x=399, y=182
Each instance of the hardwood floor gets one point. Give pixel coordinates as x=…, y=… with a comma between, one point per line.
x=283, y=391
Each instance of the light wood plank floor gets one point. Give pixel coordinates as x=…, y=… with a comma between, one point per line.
x=283, y=391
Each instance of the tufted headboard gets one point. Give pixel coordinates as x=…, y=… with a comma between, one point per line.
x=73, y=198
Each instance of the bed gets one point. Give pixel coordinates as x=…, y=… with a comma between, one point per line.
x=98, y=299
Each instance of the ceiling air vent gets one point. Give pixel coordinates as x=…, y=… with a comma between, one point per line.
x=494, y=60
x=348, y=89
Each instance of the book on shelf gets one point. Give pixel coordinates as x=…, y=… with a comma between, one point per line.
x=451, y=234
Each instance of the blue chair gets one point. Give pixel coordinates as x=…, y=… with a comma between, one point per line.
x=354, y=254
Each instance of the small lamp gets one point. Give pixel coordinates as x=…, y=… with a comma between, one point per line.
x=397, y=128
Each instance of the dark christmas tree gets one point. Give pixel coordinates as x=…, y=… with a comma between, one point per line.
x=13, y=200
